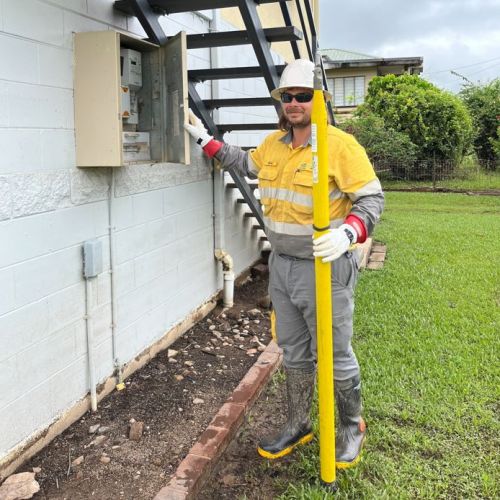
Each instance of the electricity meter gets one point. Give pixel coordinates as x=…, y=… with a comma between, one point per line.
x=131, y=68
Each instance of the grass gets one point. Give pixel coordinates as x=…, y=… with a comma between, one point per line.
x=427, y=340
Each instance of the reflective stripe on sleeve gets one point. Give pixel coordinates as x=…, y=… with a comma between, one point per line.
x=372, y=187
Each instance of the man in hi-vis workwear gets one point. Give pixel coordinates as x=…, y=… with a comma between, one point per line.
x=283, y=166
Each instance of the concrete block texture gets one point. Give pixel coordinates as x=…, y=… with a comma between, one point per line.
x=38, y=106
x=55, y=66
x=19, y=59
x=4, y=105
x=21, y=150
x=74, y=23
x=58, y=152
x=20, y=328
x=33, y=20
x=40, y=192
x=88, y=185
x=141, y=178
x=7, y=291
x=50, y=398
x=79, y=6
x=35, y=236
x=46, y=275
x=5, y=199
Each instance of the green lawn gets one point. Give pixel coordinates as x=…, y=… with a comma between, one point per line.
x=427, y=328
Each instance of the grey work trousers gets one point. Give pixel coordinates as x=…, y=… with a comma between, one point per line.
x=293, y=294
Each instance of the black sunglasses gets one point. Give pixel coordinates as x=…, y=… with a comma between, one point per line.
x=286, y=97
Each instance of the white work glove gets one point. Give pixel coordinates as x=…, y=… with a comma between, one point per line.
x=334, y=243
x=197, y=130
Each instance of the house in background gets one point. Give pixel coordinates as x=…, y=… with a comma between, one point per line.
x=348, y=74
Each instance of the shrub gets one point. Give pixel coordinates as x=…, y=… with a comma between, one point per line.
x=388, y=149
x=435, y=121
x=483, y=103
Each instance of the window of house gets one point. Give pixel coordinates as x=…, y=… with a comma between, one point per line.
x=347, y=91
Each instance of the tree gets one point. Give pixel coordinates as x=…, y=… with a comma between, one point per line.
x=483, y=102
x=435, y=121
x=388, y=149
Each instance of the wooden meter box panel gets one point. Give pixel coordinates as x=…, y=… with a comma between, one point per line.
x=162, y=100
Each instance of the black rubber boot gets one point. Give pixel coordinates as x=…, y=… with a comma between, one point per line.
x=351, y=428
x=297, y=430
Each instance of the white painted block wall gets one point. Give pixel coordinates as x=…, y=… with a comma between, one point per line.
x=164, y=236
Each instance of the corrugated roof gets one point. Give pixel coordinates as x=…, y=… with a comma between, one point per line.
x=345, y=55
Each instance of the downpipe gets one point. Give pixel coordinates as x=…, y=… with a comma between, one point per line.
x=228, y=276
x=112, y=260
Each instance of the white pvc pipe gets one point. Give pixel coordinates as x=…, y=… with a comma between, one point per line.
x=228, y=274
x=228, y=290
x=90, y=343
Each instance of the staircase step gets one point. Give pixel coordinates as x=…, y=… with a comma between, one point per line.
x=226, y=38
x=233, y=185
x=173, y=6
x=227, y=73
x=228, y=127
x=237, y=102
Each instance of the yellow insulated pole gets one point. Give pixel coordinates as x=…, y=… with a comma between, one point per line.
x=321, y=221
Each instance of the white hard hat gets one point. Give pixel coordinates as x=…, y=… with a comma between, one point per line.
x=299, y=73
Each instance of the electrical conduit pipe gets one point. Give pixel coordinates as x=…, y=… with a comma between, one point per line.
x=90, y=343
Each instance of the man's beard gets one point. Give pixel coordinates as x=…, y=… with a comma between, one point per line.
x=302, y=122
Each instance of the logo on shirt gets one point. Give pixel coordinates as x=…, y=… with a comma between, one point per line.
x=304, y=167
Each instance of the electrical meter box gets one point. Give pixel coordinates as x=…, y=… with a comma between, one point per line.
x=131, y=100
x=131, y=68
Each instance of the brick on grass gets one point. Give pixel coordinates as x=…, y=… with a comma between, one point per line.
x=379, y=247
x=377, y=257
x=375, y=265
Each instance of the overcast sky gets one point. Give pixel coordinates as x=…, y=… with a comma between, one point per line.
x=461, y=35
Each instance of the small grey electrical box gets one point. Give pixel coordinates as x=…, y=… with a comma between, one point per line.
x=92, y=258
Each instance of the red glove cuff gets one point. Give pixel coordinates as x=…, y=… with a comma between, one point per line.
x=358, y=225
x=212, y=147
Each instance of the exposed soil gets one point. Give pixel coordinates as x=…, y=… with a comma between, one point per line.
x=175, y=398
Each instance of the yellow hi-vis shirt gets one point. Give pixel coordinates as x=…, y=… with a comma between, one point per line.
x=285, y=186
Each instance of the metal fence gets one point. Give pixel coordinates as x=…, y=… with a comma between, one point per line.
x=440, y=175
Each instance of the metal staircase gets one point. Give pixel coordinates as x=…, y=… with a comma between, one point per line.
x=147, y=12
